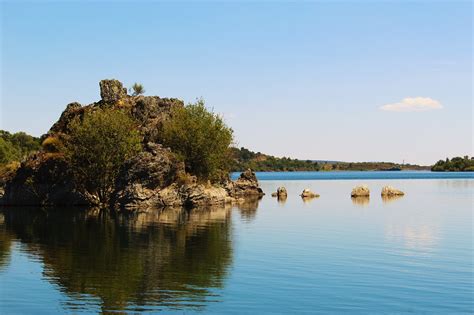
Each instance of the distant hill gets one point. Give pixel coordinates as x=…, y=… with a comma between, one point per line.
x=244, y=158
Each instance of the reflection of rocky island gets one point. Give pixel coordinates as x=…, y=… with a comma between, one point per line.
x=159, y=258
x=5, y=244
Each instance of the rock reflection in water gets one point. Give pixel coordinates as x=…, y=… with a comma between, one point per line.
x=361, y=201
x=389, y=199
x=5, y=244
x=130, y=261
x=248, y=207
x=282, y=199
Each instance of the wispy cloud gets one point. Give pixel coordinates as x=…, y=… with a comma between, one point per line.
x=413, y=104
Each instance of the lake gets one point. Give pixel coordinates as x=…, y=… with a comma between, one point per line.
x=332, y=254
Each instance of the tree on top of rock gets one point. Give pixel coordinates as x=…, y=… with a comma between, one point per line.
x=137, y=89
x=200, y=138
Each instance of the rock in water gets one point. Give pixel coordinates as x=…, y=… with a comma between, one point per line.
x=245, y=185
x=390, y=191
x=281, y=192
x=112, y=91
x=360, y=191
x=308, y=194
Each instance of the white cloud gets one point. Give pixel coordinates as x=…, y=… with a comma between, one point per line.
x=413, y=104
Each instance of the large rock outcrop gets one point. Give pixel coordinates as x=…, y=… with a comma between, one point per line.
x=45, y=180
x=155, y=178
x=143, y=179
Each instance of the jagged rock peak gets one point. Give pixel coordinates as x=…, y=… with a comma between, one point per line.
x=112, y=90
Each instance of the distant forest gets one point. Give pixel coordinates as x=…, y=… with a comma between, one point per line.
x=244, y=158
x=456, y=164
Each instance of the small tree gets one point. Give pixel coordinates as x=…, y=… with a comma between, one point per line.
x=200, y=138
x=97, y=146
x=137, y=89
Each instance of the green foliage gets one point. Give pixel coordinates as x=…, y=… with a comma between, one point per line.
x=243, y=159
x=372, y=166
x=52, y=145
x=98, y=145
x=15, y=147
x=200, y=138
x=456, y=164
x=137, y=89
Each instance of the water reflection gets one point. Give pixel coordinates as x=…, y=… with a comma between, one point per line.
x=248, y=208
x=5, y=244
x=282, y=199
x=362, y=201
x=169, y=258
x=416, y=239
x=389, y=199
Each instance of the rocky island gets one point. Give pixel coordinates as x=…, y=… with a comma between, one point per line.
x=150, y=175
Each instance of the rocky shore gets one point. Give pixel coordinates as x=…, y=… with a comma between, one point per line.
x=154, y=178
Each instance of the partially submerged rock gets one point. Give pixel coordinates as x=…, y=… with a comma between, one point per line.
x=307, y=193
x=390, y=191
x=360, y=191
x=245, y=185
x=281, y=192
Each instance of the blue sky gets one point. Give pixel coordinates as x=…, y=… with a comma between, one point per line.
x=305, y=80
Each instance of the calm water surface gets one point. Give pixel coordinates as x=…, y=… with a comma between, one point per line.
x=328, y=255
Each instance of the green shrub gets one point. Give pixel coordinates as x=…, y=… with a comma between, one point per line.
x=52, y=145
x=98, y=145
x=137, y=89
x=201, y=139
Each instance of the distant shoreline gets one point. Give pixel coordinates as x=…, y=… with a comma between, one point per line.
x=360, y=175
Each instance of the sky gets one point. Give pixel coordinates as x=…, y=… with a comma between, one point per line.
x=347, y=81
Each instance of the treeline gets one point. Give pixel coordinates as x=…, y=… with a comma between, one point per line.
x=456, y=164
x=243, y=159
x=370, y=166
x=16, y=146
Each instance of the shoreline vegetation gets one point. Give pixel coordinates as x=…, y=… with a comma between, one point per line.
x=456, y=164
x=246, y=159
